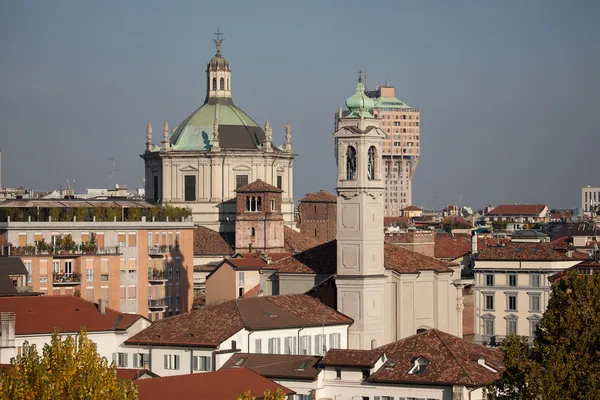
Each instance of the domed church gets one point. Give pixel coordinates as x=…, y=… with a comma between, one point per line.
x=218, y=148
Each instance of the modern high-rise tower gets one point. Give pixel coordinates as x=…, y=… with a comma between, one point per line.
x=401, y=149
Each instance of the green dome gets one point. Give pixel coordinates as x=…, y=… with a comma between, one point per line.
x=218, y=62
x=360, y=100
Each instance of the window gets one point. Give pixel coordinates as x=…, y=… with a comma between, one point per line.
x=252, y=232
x=68, y=267
x=335, y=340
x=258, y=346
x=104, y=270
x=222, y=84
x=132, y=292
x=241, y=180
x=511, y=302
x=351, y=163
x=28, y=268
x=534, y=325
x=488, y=302
x=241, y=278
x=141, y=360
x=388, y=398
x=155, y=188
x=202, y=363
x=320, y=344
x=171, y=361
x=214, y=84
x=122, y=292
x=56, y=267
x=121, y=239
x=240, y=292
x=89, y=270
x=274, y=345
x=534, y=280
x=512, y=280
x=279, y=182
x=120, y=359
x=305, y=342
x=511, y=326
x=338, y=373
x=365, y=373
x=371, y=163
x=259, y=204
x=534, y=303
x=190, y=187
x=273, y=205
x=488, y=326
x=43, y=271
x=289, y=345
x=489, y=279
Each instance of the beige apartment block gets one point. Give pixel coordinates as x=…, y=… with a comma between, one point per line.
x=401, y=149
x=139, y=267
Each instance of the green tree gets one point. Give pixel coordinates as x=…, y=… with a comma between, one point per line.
x=66, y=370
x=278, y=394
x=564, y=360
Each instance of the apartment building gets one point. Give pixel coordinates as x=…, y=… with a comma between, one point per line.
x=401, y=149
x=143, y=267
x=590, y=199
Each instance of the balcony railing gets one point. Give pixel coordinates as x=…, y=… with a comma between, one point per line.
x=156, y=275
x=157, y=303
x=158, y=250
x=66, y=279
x=33, y=251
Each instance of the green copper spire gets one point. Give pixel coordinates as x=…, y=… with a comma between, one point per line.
x=358, y=101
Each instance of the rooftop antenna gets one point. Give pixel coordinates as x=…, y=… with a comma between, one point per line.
x=367, y=87
x=113, y=173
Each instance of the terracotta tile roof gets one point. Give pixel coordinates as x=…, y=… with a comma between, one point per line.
x=411, y=208
x=351, y=358
x=224, y=384
x=452, y=361
x=211, y=325
x=258, y=186
x=204, y=268
x=319, y=197
x=388, y=221
x=456, y=220
x=277, y=366
x=526, y=252
x=296, y=242
x=518, y=209
x=209, y=242
x=12, y=266
x=589, y=265
x=322, y=259
x=132, y=374
x=449, y=247
x=42, y=314
x=254, y=292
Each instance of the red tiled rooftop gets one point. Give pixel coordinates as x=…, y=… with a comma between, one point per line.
x=133, y=374
x=319, y=197
x=211, y=325
x=296, y=242
x=517, y=209
x=42, y=314
x=258, y=186
x=590, y=265
x=322, y=259
x=411, y=208
x=526, y=251
x=209, y=242
x=452, y=361
x=224, y=384
x=388, y=221
x=450, y=247
x=277, y=366
x=351, y=358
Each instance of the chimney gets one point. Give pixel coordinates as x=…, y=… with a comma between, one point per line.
x=102, y=306
x=7, y=329
x=473, y=243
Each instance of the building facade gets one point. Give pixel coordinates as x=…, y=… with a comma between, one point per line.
x=401, y=148
x=590, y=199
x=139, y=267
x=317, y=213
x=215, y=150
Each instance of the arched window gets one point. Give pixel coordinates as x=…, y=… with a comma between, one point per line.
x=253, y=232
x=373, y=344
x=371, y=162
x=259, y=204
x=351, y=163
x=214, y=85
x=222, y=84
x=253, y=205
x=247, y=203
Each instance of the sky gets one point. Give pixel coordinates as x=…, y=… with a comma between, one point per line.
x=508, y=90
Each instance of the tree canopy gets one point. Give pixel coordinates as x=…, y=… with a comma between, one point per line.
x=564, y=360
x=67, y=369
x=267, y=395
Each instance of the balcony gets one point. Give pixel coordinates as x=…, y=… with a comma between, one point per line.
x=160, y=303
x=62, y=279
x=57, y=252
x=158, y=250
x=157, y=275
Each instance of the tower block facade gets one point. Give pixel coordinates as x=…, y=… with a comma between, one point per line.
x=360, y=276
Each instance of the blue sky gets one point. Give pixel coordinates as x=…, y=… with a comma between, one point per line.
x=507, y=90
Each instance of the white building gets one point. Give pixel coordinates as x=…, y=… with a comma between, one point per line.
x=512, y=288
x=203, y=340
x=429, y=365
x=32, y=319
x=590, y=199
x=215, y=150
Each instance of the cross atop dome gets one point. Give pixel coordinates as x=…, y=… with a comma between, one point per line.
x=218, y=41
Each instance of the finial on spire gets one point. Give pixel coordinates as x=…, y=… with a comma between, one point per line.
x=288, y=138
x=267, y=144
x=166, y=144
x=360, y=72
x=149, y=137
x=166, y=131
x=218, y=41
x=215, y=142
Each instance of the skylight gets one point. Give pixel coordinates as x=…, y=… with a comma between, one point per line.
x=303, y=366
x=419, y=366
x=240, y=361
x=270, y=314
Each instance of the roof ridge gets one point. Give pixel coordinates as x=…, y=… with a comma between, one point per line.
x=453, y=356
x=240, y=313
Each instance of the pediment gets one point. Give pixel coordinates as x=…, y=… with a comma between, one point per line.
x=242, y=168
x=189, y=168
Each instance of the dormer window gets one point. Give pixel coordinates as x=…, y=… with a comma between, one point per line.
x=420, y=363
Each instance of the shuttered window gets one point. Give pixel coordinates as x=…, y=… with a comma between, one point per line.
x=22, y=239
x=132, y=292
x=122, y=266
x=121, y=239
x=132, y=239
x=38, y=237
x=89, y=293
x=104, y=293
x=89, y=270
x=100, y=240
x=43, y=271
x=104, y=270
x=122, y=292
x=85, y=236
x=132, y=264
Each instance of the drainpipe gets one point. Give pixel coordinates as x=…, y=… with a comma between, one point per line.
x=298, y=343
x=250, y=333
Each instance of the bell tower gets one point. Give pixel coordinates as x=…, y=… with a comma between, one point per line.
x=360, y=276
x=218, y=75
